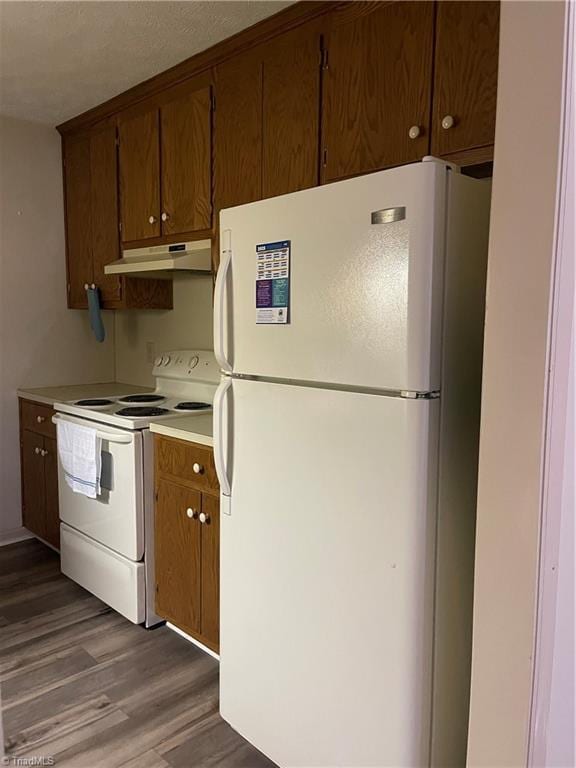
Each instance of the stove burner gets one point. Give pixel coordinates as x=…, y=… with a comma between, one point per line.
x=142, y=411
x=94, y=403
x=151, y=398
x=191, y=406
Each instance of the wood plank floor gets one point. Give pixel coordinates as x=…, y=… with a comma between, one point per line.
x=81, y=684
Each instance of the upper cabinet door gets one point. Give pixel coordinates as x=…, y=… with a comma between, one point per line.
x=466, y=75
x=186, y=163
x=377, y=87
x=238, y=131
x=78, y=219
x=140, y=176
x=104, y=197
x=291, y=106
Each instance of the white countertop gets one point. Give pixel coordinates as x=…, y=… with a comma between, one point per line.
x=51, y=395
x=194, y=429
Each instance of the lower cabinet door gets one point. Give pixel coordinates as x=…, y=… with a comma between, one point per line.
x=52, y=522
x=210, y=520
x=178, y=555
x=33, y=483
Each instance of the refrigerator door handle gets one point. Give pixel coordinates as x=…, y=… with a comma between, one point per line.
x=220, y=443
x=219, y=301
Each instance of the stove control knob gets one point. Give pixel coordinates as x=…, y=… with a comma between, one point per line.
x=193, y=362
x=166, y=360
x=158, y=361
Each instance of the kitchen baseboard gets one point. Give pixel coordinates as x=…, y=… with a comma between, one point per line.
x=13, y=535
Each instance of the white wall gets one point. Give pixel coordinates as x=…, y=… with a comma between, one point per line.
x=520, y=266
x=41, y=342
x=187, y=326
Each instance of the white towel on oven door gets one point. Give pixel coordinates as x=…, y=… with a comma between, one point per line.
x=80, y=452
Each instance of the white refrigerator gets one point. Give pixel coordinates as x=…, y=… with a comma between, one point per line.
x=348, y=327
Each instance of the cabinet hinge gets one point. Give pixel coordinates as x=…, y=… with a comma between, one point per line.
x=117, y=141
x=325, y=157
x=68, y=287
x=119, y=226
x=156, y=495
x=324, y=58
x=213, y=101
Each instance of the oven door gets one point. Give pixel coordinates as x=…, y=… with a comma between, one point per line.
x=116, y=517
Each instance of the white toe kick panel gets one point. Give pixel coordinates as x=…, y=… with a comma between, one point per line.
x=117, y=581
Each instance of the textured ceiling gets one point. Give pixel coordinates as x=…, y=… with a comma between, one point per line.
x=60, y=58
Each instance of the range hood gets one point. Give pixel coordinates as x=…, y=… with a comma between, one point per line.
x=160, y=260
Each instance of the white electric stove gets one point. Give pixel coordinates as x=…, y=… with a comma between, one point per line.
x=107, y=543
x=185, y=384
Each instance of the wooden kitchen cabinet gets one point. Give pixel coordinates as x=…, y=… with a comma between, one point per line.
x=267, y=119
x=186, y=163
x=165, y=166
x=187, y=538
x=210, y=564
x=39, y=471
x=92, y=226
x=290, y=111
x=177, y=548
x=377, y=87
x=320, y=92
x=465, y=80
x=78, y=219
x=104, y=211
x=139, y=160
x=238, y=131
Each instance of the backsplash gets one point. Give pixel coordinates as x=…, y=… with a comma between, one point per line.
x=187, y=326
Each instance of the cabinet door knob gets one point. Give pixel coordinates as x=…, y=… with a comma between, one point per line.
x=93, y=286
x=40, y=419
x=44, y=453
x=414, y=131
x=86, y=286
x=152, y=219
x=447, y=122
x=192, y=513
x=197, y=468
x=204, y=518
x=37, y=451
x=165, y=216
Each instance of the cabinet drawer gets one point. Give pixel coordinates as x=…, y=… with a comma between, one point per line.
x=37, y=418
x=189, y=462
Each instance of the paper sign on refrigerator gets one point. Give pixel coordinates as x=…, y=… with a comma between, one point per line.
x=273, y=282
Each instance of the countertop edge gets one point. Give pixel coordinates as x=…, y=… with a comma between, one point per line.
x=180, y=433
x=24, y=394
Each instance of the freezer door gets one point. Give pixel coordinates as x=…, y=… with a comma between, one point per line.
x=327, y=575
x=365, y=282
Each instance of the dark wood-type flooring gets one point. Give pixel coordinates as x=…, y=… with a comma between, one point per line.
x=83, y=685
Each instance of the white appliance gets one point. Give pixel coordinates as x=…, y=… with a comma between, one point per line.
x=346, y=437
x=107, y=543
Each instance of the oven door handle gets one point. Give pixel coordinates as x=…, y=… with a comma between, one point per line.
x=124, y=439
